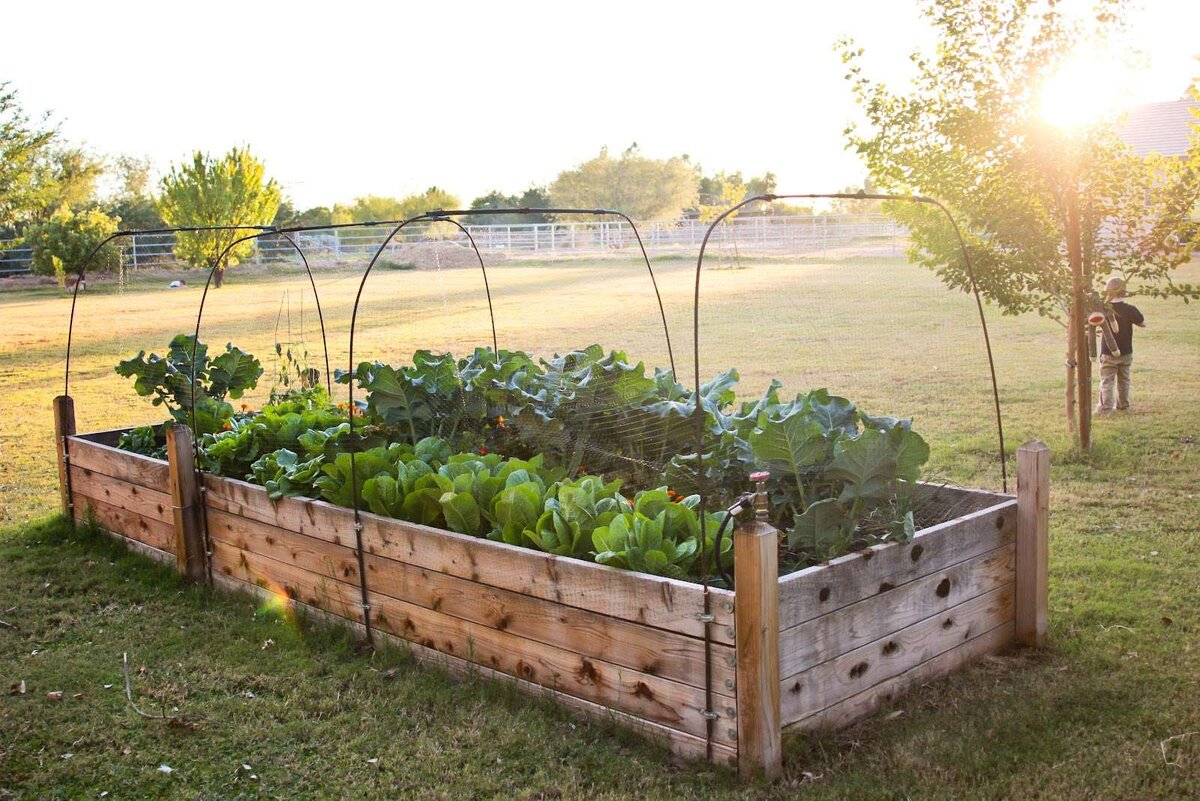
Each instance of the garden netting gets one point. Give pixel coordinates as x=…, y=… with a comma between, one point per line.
x=852, y=374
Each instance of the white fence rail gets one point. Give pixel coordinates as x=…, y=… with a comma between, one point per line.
x=749, y=234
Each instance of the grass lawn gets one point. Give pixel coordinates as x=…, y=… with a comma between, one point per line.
x=307, y=711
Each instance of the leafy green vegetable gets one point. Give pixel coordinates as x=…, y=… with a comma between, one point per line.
x=169, y=380
x=284, y=475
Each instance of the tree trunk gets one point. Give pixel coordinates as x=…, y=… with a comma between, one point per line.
x=1072, y=425
x=219, y=277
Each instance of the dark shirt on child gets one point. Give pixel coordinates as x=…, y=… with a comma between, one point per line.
x=1127, y=316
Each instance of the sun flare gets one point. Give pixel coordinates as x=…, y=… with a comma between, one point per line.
x=1087, y=89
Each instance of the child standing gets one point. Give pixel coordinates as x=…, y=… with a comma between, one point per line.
x=1115, y=368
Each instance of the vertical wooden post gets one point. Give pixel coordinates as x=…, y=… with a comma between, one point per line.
x=190, y=554
x=64, y=426
x=756, y=620
x=1033, y=543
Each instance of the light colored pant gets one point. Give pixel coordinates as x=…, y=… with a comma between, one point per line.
x=1115, y=385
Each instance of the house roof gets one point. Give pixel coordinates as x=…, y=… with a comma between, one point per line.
x=1164, y=128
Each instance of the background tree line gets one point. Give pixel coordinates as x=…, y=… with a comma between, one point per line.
x=63, y=199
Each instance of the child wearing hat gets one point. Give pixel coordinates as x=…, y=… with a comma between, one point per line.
x=1115, y=367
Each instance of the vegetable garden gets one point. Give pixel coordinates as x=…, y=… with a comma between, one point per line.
x=708, y=565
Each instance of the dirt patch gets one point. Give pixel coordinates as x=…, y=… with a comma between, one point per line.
x=436, y=256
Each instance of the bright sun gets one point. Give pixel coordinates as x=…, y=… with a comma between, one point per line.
x=1088, y=88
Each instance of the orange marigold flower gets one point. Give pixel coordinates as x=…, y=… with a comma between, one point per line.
x=245, y=407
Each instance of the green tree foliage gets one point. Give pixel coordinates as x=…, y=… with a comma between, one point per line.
x=288, y=216
x=725, y=189
x=24, y=147
x=368, y=208
x=231, y=190
x=643, y=188
x=61, y=243
x=968, y=133
x=535, y=197
x=132, y=202
x=65, y=179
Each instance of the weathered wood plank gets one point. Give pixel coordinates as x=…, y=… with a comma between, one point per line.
x=108, y=437
x=287, y=580
x=870, y=701
x=130, y=525
x=124, y=465
x=822, y=589
x=657, y=699
x=1033, y=543
x=853, y=626
x=677, y=742
x=756, y=578
x=956, y=501
x=651, y=600
x=64, y=427
x=131, y=497
x=140, y=548
x=628, y=644
x=186, y=505
x=854, y=672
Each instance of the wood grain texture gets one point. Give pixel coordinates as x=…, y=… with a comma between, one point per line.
x=130, y=525
x=64, y=426
x=629, y=644
x=870, y=701
x=858, y=624
x=677, y=742
x=651, y=600
x=119, y=464
x=190, y=548
x=822, y=589
x=856, y=671
x=131, y=497
x=756, y=577
x=140, y=548
x=1033, y=543
x=653, y=698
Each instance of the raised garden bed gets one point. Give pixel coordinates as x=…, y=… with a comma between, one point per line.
x=717, y=673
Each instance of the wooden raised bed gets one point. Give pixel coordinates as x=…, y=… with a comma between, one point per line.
x=815, y=649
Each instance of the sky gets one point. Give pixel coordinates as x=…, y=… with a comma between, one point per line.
x=346, y=99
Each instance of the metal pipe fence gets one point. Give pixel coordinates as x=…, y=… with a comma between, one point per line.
x=750, y=234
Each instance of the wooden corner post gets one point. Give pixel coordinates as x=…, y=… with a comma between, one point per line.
x=185, y=501
x=64, y=426
x=1033, y=543
x=756, y=622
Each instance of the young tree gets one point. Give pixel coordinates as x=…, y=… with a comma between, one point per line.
x=232, y=190
x=24, y=147
x=643, y=188
x=968, y=133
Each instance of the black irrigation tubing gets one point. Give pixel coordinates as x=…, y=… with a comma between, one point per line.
x=261, y=231
x=365, y=598
x=87, y=260
x=444, y=214
x=770, y=198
